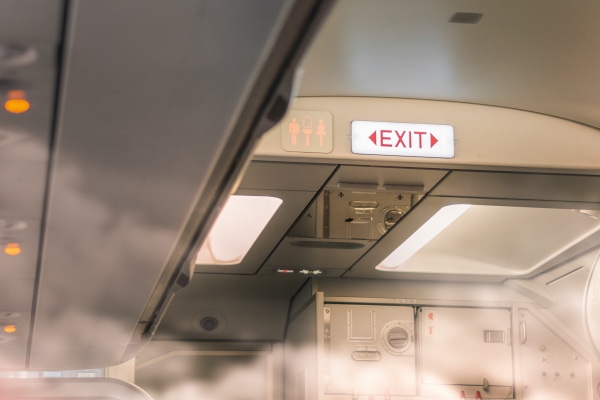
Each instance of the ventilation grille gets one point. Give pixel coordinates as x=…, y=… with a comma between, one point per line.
x=466, y=18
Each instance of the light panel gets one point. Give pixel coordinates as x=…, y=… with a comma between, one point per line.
x=239, y=224
x=423, y=235
x=490, y=240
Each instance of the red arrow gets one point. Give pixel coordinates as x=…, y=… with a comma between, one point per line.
x=433, y=140
x=373, y=138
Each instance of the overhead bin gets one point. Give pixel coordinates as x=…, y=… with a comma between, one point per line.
x=120, y=164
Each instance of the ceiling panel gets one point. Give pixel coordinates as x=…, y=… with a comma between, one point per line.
x=532, y=55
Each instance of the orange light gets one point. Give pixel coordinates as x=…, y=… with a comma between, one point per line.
x=10, y=329
x=16, y=106
x=12, y=249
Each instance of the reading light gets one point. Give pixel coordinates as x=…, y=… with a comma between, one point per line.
x=423, y=235
x=16, y=102
x=10, y=329
x=238, y=226
x=12, y=249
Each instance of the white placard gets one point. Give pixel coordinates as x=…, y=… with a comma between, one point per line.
x=400, y=139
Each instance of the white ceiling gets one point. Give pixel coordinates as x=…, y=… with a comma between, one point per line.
x=534, y=55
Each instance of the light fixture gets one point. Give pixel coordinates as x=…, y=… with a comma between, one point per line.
x=16, y=103
x=12, y=249
x=423, y=235
x=10, y=328
x=493, y=240
x=236, y=229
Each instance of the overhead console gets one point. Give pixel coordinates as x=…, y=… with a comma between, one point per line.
x=475, y=212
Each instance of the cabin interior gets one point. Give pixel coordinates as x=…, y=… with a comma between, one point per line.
x=300, y=199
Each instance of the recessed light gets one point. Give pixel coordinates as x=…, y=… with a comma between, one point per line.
x=239, y=224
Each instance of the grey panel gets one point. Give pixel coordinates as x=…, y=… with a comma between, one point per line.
x=33, y=25
x=520, y=186
x=246, y=307
x=286, y=176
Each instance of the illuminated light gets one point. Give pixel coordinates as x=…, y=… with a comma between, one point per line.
x=10, y=329
x=12, y=249
x=436, y=224
x=16, y=102
x=239, y=224
x=16, y=106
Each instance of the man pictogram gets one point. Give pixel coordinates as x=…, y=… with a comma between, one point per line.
x=294, y=129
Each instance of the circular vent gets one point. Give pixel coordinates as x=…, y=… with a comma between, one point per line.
x=397, y=337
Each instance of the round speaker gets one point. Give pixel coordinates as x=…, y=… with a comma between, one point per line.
x=209, y=322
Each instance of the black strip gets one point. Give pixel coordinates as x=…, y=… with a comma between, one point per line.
x=59, y=65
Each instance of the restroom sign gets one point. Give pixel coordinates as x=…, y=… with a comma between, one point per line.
x=400, y=139
x=307, y=132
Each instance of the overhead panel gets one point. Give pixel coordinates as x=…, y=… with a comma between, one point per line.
x=29, y=42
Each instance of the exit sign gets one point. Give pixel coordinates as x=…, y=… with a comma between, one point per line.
x=400, y=139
